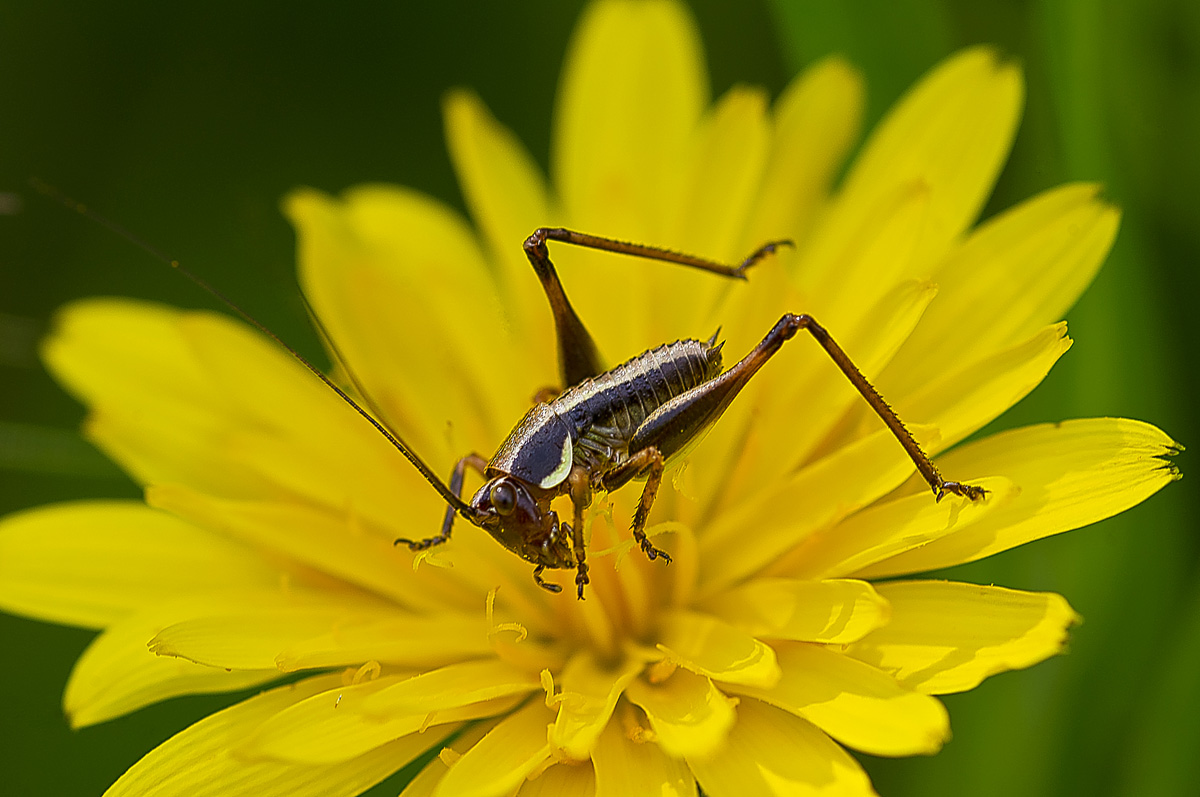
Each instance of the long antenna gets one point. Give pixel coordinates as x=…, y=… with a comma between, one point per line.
x=394, y=438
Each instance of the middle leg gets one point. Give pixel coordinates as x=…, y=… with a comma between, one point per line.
x=648, y=462
x=581, y=498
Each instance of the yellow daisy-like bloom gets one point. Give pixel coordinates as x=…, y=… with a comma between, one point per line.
x=763, y=649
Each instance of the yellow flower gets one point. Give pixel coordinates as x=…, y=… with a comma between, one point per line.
x=750, y=661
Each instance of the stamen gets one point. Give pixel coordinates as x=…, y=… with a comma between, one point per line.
x=547, y=679
x=632, y=722
x=369, y=671
x=428, y=555
x=661, y=670
x=495, y=628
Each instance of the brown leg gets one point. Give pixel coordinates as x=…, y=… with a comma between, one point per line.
x=581, y=498
x=647, y=462
x=672, y=426
x=549, y=586
x=578, y=357
x=474, y=461
x=924, y=464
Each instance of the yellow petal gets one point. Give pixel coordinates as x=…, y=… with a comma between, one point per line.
x=870, y=261
x=748, y=312
x=92, y=563
x=771, y=752
x=1018, y=272
x=818, y=495
x=710, y=647
x=201, y=761
x=214, y=405
x=812, y=611
x=688, y=715
x=451, y=686
x=630, y=96
x=960, y=400
x=950, y=133
x=890, y=528
x=963, y=400
x=568, y=779
x=589, y=693
x=427, y=780
x=726, y=163
x=624, y=767
x=855, y=703
x=248, y=631
x=723, y=171
x=789, y=407
x=117, y=673
x=129, y=360
x=507, y=196
x=395, y=637
x=376, y=266
x=331, y=726
x=1069, y=475
x=632, y=89
x=947, y=637
x=332, y=544
x=499, y=762
x=814, y=389
x=817, y=118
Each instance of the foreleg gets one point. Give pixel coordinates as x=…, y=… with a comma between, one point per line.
x=474, y=461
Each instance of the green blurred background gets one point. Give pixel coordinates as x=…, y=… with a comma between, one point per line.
x=188, y=122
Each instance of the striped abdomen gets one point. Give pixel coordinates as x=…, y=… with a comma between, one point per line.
x=616, y=402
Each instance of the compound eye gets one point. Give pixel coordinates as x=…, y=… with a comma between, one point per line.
x=504, y=498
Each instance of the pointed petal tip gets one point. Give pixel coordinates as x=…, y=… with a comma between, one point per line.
x=74, y=721
x=982, y=65
x=839, y=66
x=1173, y=448
x=460, y=98
x=160, y=648
x=300, y=202
x=983, y=58
x=463, y=110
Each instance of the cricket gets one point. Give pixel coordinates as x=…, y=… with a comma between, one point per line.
x=604, y=429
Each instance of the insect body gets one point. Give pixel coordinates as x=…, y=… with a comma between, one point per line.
x=596, y=436
x=614, y=426
x=608, y=427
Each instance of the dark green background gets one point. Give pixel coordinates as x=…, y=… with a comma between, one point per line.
x=188, y=122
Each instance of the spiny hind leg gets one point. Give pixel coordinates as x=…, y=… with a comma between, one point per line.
x=758, y=254
x=578, y=356
x=476, y=463
x=672, y=425
x=784, y=330
x=790, y=324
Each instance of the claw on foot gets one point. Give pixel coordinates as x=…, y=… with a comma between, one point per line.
x=653, y=553
x=759, y=254
x=958, y=488
x=581, y=579
x=419, y=545
x=549, y=586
